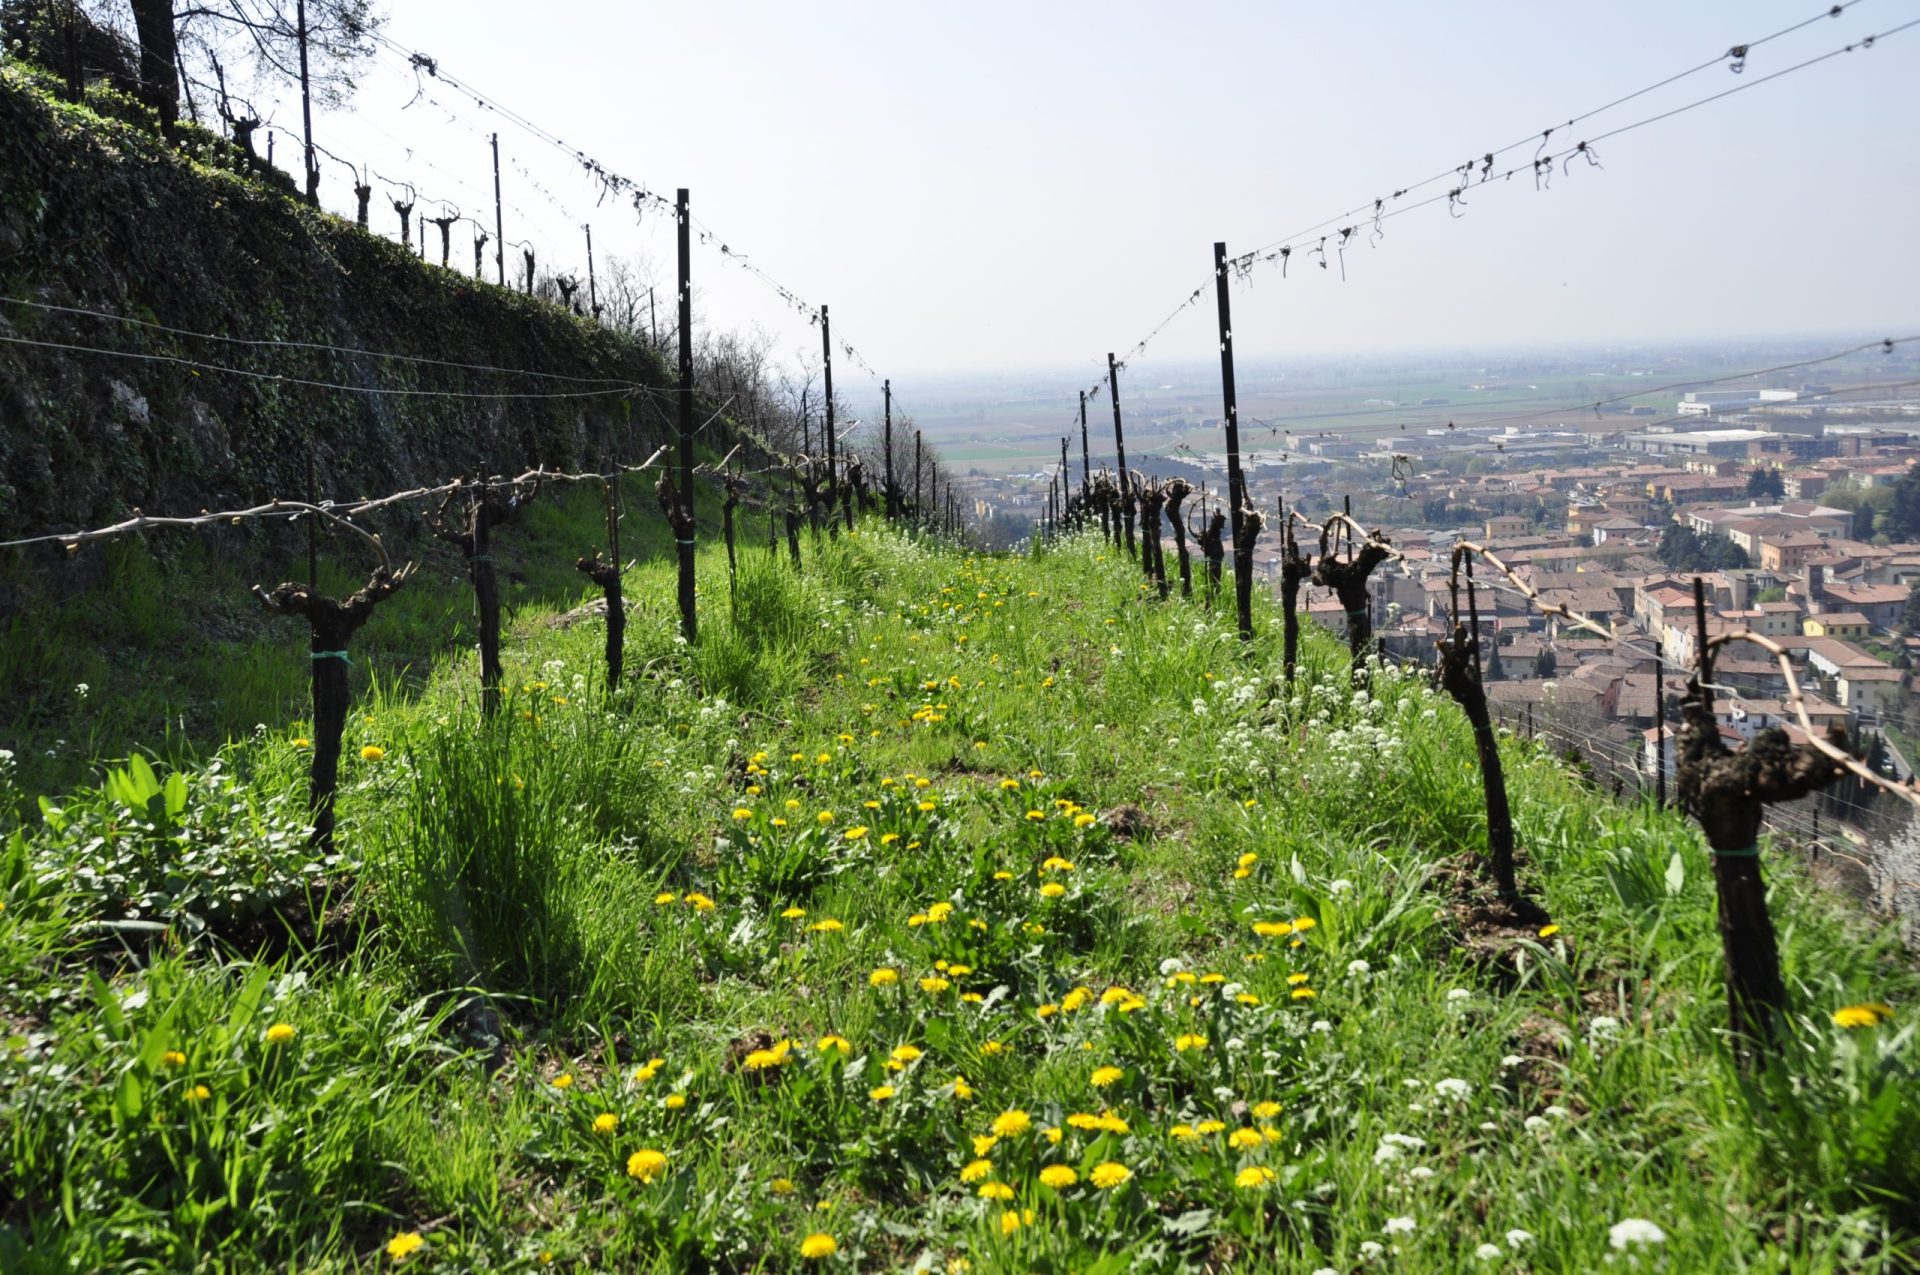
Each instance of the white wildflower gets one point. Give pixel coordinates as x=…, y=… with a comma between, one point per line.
x=1489, y=1252
x=1370, y=1249
x=1404, y=1226
x=1518, y=1238
x=1635, y=1230
x=1453, y=1088
x=1357, y=969
x=1457, y=994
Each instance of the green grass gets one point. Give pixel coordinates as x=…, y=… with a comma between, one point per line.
x=649, y=876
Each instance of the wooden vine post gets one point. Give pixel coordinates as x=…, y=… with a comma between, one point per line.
x=1178, y=490
x=605, y=572
x=1103, y=496
x=1295, y=569
x=1120, y=452
x=1727, y=792
x=889, y=492
x=333, y=623
x=680, y=515
x=1460, y=676
x=733, y=490
x=1246, y=521
x=486, y=509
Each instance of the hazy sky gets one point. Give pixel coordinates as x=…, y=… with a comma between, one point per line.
x=998, y=186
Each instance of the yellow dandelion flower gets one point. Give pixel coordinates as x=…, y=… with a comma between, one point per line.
x=700, y=902
x=883, y=977
x=674, y=1101
x=983, y=1143
x=606, y=1122
x=1058, y=1176
x=1104, y=1076
x=1296, y=979
x=646, y=1165
x=173, y=1058
x=1054, y=863
x=1052, y=890
x=1184, y=1133
x=962, y=1091
x=1011, y=1123
x=1084, y=820
x=741, y=812
x=782, y=1186
x=992, y=1047
x=977, y=1170
x=1255, y=1177
x=934, y=984
x=372, y=752
x=1213, y=978
x=1010, y=785
x=563, y=1081
x=1266, y=1110
x=818, y=1247
x=1076, y=998
x=1046, y=1011
x=1207, y=1128
x=826, y=925
x=665, y=897
x=1011, y=1221
x=1870, y=1014
x=1303, y=993
x=404, y=1245
x=995, y=1191
x=1247, y=998
x=856, y=832
x=1188, y=1041
x=792, y=913
x=1302, y=924
x=905, y=1054
x=1548, y=931
x=280, y=1033
x=1272, y=929
x=880, y=1093
x=1244, y=1139
x=1110, y=1174
x=302, y=742
x=199, y=1093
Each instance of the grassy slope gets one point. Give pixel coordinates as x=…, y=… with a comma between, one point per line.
x=528, y=863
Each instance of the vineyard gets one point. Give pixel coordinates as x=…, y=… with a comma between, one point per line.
x=657, y=834
x=932, y=909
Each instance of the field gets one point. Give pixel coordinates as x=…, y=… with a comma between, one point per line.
x=932, y=912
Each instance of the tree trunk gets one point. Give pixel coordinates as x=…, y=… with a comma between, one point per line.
x=159, y=45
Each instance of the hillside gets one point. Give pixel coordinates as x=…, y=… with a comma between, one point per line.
x=936, y=912
x=335, y=337
x=272, y=351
